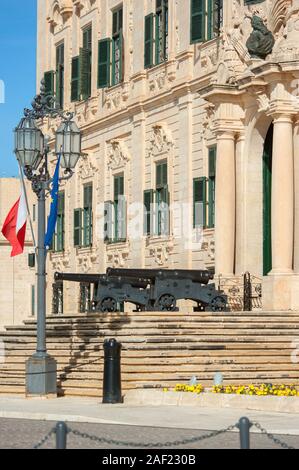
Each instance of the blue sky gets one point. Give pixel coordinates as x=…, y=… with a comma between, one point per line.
x=17, y=71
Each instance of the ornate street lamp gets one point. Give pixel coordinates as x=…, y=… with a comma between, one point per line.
x=31, y=149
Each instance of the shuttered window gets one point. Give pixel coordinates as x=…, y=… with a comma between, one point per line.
x=49, y=80
x=60, y=75
x=87, y=216
x=104, y=63
x=206, y=19
x=198, y=10
x=162, y=200
x=149, y=41
x=86, y=54
x=200, y=202
x=75, y=87
x=117, y=46
x=148, y=200
x=78, y=227
x=161, y=31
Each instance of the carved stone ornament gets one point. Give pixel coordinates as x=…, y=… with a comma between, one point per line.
x=261, y=41
x=117, y=98
x=60, y=261
x=160, y=254
x=161, y=140
x=87, y=261
x=87, y=167
x=117, y=259
x=59, y=12
x=117, y=154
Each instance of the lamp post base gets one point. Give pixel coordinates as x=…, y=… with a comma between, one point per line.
x=41, y=376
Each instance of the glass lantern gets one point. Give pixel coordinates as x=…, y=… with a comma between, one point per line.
x=68, y=144
x=29, y=143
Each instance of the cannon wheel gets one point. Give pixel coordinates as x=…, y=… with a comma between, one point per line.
x=218, y=304
x=167, y=302
x=108, y=305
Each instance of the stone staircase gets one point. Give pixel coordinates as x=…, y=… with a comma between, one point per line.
x=159, y=349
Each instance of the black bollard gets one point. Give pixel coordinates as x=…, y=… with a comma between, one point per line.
x=244, y=427
x=61, y=435
x=112, y=375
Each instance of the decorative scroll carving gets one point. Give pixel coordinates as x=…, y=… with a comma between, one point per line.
x=117, y=154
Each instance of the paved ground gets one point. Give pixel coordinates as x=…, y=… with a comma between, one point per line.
x=24, y=434
x=78, y=410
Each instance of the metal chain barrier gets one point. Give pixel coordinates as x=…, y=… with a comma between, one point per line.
x=155, y=445
x=45, y=439
x=102, y=440
x=272, y=438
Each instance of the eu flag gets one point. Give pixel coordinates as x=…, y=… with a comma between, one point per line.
x=52, y=219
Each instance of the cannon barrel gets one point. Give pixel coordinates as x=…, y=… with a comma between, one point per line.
x=203, y=277
x=104, y=278
x=88, y=278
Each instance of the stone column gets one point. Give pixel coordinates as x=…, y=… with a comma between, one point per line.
x=282, y=211
x=225, y=204
x=296, y=190
x=241, y=201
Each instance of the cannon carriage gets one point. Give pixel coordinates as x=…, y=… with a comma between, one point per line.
x=150, y=289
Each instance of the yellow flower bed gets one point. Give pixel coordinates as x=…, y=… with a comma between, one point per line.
x=259, y=390
x=189, y=388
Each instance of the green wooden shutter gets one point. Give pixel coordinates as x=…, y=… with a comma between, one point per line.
x=164, y=212
x=148, y=40
x=87, y=216
x=104, y=49
x=121, y=219
x=60, y=222
x=78, y=227
x=211, y=19
x=161, y=175
x=200, y=202
x=84, y=73
x=49, y=79
x=109, y=221
x=75, y=92
x=198, y=20
x=148, y=199
x=211, y=185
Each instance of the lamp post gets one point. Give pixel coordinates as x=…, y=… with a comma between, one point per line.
x=31, y=149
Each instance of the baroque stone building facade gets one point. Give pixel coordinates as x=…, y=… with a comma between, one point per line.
x=178, y=116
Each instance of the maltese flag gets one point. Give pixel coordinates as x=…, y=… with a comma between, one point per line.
x=14, y=227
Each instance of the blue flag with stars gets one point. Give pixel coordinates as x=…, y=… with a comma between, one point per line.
x=52, y=219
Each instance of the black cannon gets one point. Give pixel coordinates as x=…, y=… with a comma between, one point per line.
x=150, y=289
x=167, y=286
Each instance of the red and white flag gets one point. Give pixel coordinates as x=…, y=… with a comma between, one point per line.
x=14, y=227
